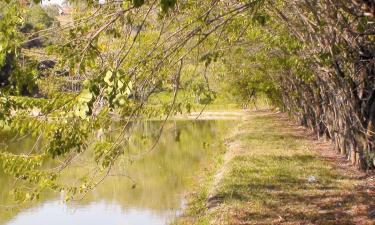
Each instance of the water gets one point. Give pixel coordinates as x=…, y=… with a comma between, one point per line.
x=96, y=213
x=142, y=190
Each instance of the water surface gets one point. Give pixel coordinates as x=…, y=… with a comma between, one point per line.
x=142, y=190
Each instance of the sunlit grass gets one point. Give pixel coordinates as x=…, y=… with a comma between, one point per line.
x=267, y=181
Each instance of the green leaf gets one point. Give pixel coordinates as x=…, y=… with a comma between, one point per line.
x=109, y=78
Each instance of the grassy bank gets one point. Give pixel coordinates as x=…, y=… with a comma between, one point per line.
x=272, y=174
x=220, y=103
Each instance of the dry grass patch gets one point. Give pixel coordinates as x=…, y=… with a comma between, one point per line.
x=276, y=177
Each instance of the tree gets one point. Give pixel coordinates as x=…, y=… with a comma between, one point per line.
x=314, y=61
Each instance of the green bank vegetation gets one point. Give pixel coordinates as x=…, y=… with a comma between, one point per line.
x=274, y=175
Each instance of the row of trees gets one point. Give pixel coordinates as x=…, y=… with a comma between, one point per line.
x=334, y=93
x=315, y=60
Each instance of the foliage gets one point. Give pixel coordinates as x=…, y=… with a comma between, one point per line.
x=39, y=18
x=16, y=72
x=315, y=62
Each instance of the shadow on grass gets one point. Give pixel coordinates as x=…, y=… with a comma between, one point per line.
x=267, y=180
x=278, y=185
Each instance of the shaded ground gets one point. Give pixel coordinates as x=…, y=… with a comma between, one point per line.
x=276, y=173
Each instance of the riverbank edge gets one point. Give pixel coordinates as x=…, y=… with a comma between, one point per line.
x=202, y=197
x=202, y=202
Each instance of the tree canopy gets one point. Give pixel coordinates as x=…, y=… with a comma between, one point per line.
x=313, y=59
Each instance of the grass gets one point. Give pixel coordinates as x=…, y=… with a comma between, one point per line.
x=266, y=182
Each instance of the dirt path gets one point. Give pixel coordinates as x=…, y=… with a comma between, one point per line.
x=275, y=172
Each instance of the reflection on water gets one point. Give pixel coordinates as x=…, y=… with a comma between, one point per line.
x=142, y=190
x=96, y=213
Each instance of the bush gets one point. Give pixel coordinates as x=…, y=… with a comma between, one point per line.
x=40, y=18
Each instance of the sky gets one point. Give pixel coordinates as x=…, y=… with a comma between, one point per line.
x=48, y=2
